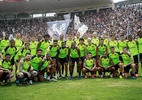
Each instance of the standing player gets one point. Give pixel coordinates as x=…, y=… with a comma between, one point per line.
x=77, y=38
x=113, y=43
x=6, y=69
x=85, y=38
x=121, y=43
x=63, y=59
x=101, y=48
x=89, y=65
x=115, y=57
x=69, y=41
x=43, y=45
x=140, y=45
x=61, y=40
x=132, y=45
x=18, y=41
x=105, y=39
x=106, y=64
x=74, y=56
x=33, y=45
x=95, y=39
x=53, y=50
x=5, y=42
x=128, y=62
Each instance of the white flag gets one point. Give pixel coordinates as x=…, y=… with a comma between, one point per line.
x=82, y=29
x=77, y=23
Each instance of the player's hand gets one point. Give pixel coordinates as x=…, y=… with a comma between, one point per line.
x=29, y=75
x=9, y=71
x=31, y=69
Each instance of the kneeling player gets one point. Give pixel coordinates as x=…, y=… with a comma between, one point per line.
x=26, y=70
x=115, y=57
x=6, y=69
x=47, y=66
x=128, y=62
x=89, y=65
x=106, y=64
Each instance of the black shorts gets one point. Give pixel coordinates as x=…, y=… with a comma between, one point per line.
x=25, y=75
x=82, y=59
x=140, y=56
x=127, y=68
x=74, y=60
x=136, y=61
x=63, y=60
x=12, y=61
x=116, y=66
x=106, y=69
x=87, y=70
x=4, y=75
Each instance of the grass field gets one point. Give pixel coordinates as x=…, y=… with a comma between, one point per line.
x=76, y=89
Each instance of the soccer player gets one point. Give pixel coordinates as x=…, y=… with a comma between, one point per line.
x=95, y=39
x=53, y=50
x=113, y=43
x=85, y=37
x=74, y=56
x=89, y=65
x=106, y=64
x=77, y=38
x=121, y=43
x=18, y=41
x=115, y=57
x=69, y=41
x=63, y=59
x=61, y=40
x=5, y=42
x=132, y=45
x=43, y=45
x=47, y=66
x=26, y=70
x=91, y=47
x=128, y=62
x=33, y=45
x=139, y=40
x=24, y=50
x=105, y=39
x=101, y=48
x=6, y=69
x=36, y=59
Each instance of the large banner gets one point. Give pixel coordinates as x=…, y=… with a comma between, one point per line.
x=58, y=27
x=77, y=23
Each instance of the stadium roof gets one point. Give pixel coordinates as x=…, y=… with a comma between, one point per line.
x=38, y=5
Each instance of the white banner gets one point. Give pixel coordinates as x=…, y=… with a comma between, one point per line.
x=58, y=27
x=82, y=29
x=77, y=23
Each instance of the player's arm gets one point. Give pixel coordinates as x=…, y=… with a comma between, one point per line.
x=39, y=44
x=111, y=63
x=94, y=64
x=97, y=50
x=21, y=66
x=84, y=64
x=41, y=63
x=99, y=62
x=78, y=53
x=106, y=48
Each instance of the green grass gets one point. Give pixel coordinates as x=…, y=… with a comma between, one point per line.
x=76, y=89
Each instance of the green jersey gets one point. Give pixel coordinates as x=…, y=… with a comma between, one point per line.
x=5, y=64
x=33, y=47
x=106, y=42
x=63, y=52
x=53, y=51
x=74, y=53
x=95, y=41
x=105, y=62
x=113, y=44
x=126, y=58
x=85, y=41
x=11, y=50
x=132, y=45
x=77, y=40
x=114, y=57
x=4, y=43
x=18, y=43
x=121, y=45
x=68, y=43
x=92, y=49
x=140, y=45
x=35, y=62
x=101, y=49
x=82, y=49
x=26, y=65
x=60, y=43
x=45, y=65
x=89, y=63
x=24, y=51
x=44, y=45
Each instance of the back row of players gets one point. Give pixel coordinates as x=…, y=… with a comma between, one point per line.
x=33, y=58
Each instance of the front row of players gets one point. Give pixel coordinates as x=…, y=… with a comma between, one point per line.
x=34, y=68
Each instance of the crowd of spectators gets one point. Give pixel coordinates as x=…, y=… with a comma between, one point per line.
x=108, y=21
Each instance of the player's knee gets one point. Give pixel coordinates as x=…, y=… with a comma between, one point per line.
x=20, y=75
x=34, y=74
